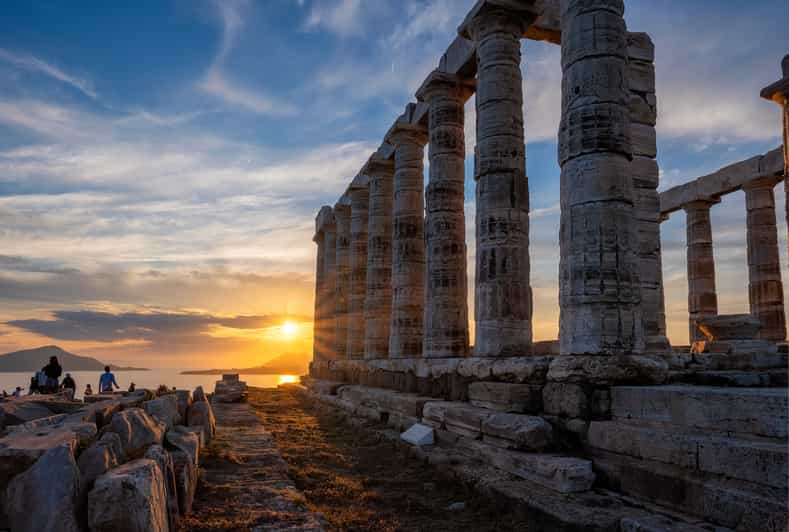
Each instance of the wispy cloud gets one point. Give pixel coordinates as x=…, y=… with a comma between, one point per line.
x=35, y=64
x=342, y=17
x=218, y=84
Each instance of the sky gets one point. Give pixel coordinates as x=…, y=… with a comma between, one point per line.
x=162, y=162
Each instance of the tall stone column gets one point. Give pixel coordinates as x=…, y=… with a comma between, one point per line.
x=318, y=349
x=378, y=302
x=446, y=303
x=643, y=116
x=342, y=216
x=702, y=296
x=765, y=289
x=600, y=307
x=779, y=93
x=408, y=242
x=503, y=298
x=360, y=198
x=330, y=288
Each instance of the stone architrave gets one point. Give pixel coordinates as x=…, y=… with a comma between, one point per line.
x=360, y=199
x=779, y=93
x=702, y=296
x=765, y=288
x=408, y=242
x=378, y=301
x=503, y=298
x=446, y=301
x=600, y=304
x=643, y=116
x=342, y=217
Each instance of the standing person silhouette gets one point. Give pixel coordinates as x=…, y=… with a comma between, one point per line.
x=107, y=381
x=53, y=371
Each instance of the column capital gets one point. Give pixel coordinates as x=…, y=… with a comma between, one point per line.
x=700, y=204
x=405, y=133
x=767, y=182
x=779, y=91
x=440, y=83
x=494, y=16
x=378, y=166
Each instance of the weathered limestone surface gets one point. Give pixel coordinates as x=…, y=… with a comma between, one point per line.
x=505, y=396
x=130, y=498
x=325, y=238
x=165, y=463
x=360, y=199
x=342, y=216
x=702, y=296
x=186, y=441
x=45, y=497
x=514, y=431
x=733, y=334
x=137, y=431
x=755, y=411
x=644, y=168
x=600, y=304
x=164, y=409
x=765, y=288
x=408, y=244
x=503, y=298
x=184, y=398
x=200, y=414
x=446, y=303
x=185, y=480
x=378, y=299
x=105, y=454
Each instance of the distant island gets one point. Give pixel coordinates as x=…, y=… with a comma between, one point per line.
x=290, y=364
x=31, y=360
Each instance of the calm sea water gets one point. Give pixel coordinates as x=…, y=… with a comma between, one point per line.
x=147, y=379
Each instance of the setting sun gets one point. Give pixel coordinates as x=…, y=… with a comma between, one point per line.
x=288, y=379
x=289, y=328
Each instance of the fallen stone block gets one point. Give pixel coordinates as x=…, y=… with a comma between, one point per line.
x=137, y=431
x=200, y=414
x=130, y=498
x=506, y=397
x=516, y=431
x=165, y=462
x=17, y=411
x=465, y=420
x=164, y=409
x=187, y=442
x=105, y=454
x=185, y=480
x=199, y=394
x=101, y=412
x=45, y=497
x=564, y=474
x=184, y=398
x=418, y=435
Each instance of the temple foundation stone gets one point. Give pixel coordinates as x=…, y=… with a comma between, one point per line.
x=446, y=303
x=503, y=297
x=600, y=307
x=765, y=288
x=408, y=242
x=378, y=301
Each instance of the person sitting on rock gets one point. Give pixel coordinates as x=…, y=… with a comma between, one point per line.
x=88, y=390
x=53, y=371
x=107, y=381
x=18, y=391
x=33, y=385
x=132, y=387
x=68, y=382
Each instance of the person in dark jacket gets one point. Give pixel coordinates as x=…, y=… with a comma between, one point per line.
x=53, y=371
x=68, y=382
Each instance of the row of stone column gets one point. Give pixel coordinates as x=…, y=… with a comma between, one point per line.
x=765, y=287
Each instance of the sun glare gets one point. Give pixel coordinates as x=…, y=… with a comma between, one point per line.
x=288, y=379
x=289, y=328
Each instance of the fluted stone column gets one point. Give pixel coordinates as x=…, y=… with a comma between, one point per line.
x=330, y=287
x=503, y=298
x=600, y=310
x=779, y=93
x=408, y=243
x=378, y=302
x=446, y=303
x=765, y=289
x=342, y=216
x=360, y=198
x=318, y=348
x=643, y=116
x=702, y=296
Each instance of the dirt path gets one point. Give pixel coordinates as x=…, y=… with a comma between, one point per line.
x=244, y=483
x=360, y=481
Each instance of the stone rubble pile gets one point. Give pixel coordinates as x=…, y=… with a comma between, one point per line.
x=128, y=462
x=230, y=389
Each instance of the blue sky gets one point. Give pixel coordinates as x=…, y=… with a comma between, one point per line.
x=168, y=157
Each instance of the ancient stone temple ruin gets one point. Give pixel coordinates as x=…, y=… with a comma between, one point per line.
x=610, y=427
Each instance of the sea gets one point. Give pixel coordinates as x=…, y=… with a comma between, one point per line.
x=147, y=379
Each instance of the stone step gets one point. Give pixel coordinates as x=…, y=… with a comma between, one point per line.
x=747, y=411
x=769, y=378
x=760, y=462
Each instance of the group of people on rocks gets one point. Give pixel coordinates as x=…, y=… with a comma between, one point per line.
x=47, y=381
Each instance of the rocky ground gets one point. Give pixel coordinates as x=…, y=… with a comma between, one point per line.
x=360, y=481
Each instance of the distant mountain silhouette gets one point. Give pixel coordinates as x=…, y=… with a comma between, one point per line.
x=31, y=360
x=289, y=364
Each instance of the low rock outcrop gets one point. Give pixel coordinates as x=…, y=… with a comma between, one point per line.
x=200, y=414
x=164, y=409
x=137, y=431
x=158, y=454
x=185, y=480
